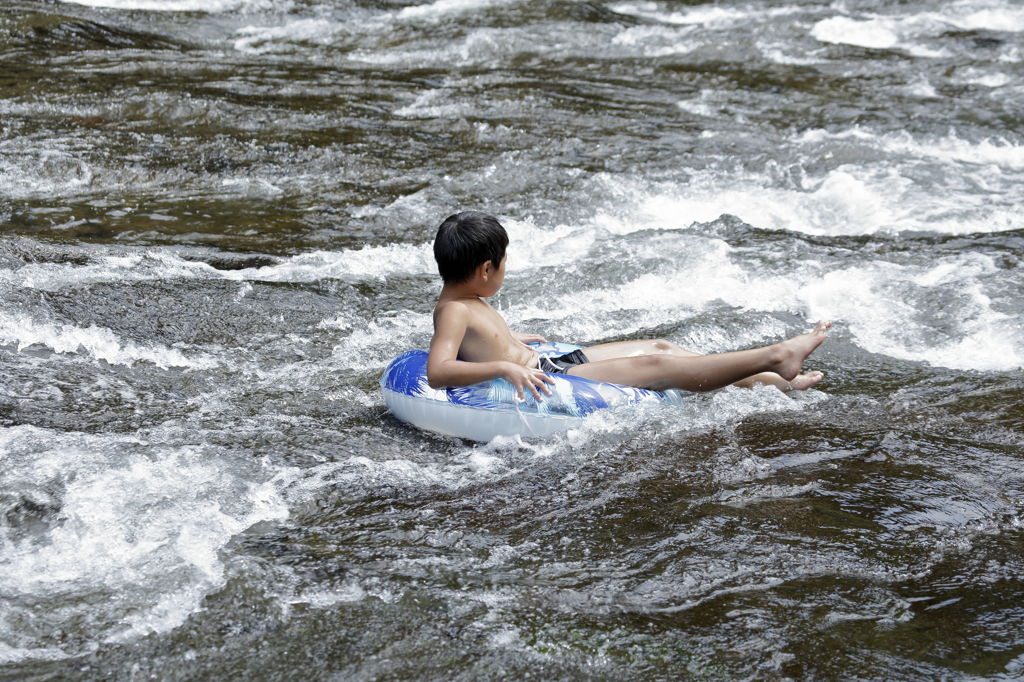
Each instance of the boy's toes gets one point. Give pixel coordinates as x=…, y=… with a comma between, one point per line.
x=802, y=382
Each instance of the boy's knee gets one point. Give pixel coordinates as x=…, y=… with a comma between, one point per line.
x=663, y=346
x=652, y=362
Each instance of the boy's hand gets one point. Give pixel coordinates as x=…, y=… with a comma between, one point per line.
x=533, y=379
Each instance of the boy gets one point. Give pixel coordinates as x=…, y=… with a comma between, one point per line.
x=470, y=253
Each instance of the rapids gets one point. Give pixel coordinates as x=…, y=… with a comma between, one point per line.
x=215, y=227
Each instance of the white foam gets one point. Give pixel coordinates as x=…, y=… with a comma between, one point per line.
x=441, y=8
x=871, y=300
x=372, y=344
x=98, y=342
x=997, y=17
x=907, y=31
x=252, y=188
x=431, y=104
x=12, y=654
x=538, y=246
x=211, y=6
x=921, y=87
x=709, y=274
x=976, y=187
x=1001, y=152
x=128, y=267
x=656, y=41
x=988, y=79
x=781, y=53
x=704, y=105
x=266, y=39
x=910, y=33
x=359, y=475
x=534, y=249
x=368, y=262
x=482, y=45
x=350, y=591
x=140, y=521
x=988, y=151
x=873, y=33
x=843, y=203
x=706, y=15
x=926, y=52
x=51, y=172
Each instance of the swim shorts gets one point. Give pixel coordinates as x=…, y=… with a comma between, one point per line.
x=562, y=363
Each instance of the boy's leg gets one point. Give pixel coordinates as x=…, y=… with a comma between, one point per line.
x=700, y=372
x=800, y=382
x=626, y=349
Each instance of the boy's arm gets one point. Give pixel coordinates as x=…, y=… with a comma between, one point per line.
x=528, y=338
x=444, y=369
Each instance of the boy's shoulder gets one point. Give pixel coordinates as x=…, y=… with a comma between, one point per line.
x=451, y=307
x=458, y=310
x=461, y=303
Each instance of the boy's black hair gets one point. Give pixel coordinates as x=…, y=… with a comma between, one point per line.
x=464, y=241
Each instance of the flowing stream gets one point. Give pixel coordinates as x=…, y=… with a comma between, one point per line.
x=215, y=228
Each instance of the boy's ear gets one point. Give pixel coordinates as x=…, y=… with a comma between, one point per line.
x=484, y=270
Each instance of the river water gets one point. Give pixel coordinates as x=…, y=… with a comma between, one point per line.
x=216, y=218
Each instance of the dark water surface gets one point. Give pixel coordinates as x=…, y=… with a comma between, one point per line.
x=216, y=218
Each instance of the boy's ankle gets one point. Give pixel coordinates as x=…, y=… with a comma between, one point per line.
x=776, y=355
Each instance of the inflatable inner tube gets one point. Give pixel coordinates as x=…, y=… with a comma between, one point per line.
x=483, y=411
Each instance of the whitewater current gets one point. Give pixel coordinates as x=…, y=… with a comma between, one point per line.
x=216, y=220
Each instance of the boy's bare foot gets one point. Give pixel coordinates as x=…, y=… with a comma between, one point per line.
x=795, y=350
x=802, y=382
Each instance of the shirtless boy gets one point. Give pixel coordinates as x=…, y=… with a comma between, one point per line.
x=470, y=253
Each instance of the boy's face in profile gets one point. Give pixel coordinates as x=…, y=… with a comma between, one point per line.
x=496, y=278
